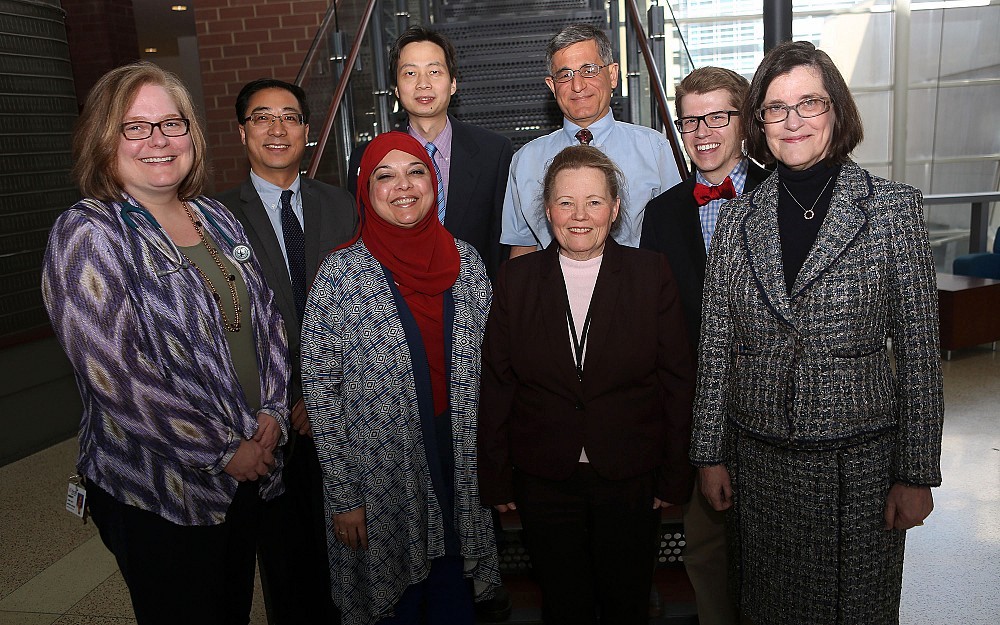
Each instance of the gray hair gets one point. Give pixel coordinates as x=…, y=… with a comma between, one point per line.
x=578, y=33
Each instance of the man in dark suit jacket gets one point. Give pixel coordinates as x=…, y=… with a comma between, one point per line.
x=680, y=223
x=473, y=162
x=292, y=224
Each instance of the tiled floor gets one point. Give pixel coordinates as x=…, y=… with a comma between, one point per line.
x=56, y=571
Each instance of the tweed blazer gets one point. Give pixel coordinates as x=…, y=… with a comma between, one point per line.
x=632, y=410
x=361, y=399
x=813, y=369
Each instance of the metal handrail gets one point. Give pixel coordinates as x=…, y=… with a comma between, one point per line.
x=338, y=94
x=331, y=12
x=979, y=222
x=656, y=85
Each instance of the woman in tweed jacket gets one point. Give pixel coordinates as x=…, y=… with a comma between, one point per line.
x=826, y=451
x=183, y=368
x=391, y=344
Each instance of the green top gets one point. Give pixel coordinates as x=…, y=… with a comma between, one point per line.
x=242, y=348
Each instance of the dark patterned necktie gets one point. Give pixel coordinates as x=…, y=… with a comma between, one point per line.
x=295, y=250
x=584, y=136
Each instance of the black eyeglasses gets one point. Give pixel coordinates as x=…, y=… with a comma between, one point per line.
x=588, y=70
x=715, y=119
x=266, y=120
x=173, y=127
x=810, y=107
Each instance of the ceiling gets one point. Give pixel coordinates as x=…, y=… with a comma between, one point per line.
x=159, y=27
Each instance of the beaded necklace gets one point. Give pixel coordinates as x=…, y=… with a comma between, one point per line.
x=230, y=278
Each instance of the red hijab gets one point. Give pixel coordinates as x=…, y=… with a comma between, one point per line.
x=423, y=260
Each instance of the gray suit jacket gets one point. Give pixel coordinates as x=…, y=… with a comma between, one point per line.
x=330, y=219
x=812, y=369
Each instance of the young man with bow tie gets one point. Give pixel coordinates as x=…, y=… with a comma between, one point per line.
x=680, y=223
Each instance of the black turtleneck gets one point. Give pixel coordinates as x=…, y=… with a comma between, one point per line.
x=797, y=234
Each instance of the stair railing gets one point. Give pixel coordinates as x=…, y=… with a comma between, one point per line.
x=338, y=94
x=655, y=85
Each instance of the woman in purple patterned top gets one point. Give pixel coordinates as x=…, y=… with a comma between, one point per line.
x=178, y=351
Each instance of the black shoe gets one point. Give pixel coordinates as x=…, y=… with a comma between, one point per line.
x=495, y=610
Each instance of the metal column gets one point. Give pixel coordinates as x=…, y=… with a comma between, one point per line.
x=777, y=22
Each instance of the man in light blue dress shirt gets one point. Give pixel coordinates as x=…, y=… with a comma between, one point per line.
x=582, y=77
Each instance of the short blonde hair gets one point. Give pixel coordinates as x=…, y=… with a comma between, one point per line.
x=98, y=131
x=584, y=157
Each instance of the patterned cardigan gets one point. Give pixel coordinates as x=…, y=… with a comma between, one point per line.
x=358, y=383
x=813, y=369
x=163, y=411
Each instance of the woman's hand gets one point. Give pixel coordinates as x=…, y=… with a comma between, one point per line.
x=907, y=506
x=716, y=486
x=505, y=507
x=268, y=431
x=251, y=461
x=350, y=528
x=659, y=503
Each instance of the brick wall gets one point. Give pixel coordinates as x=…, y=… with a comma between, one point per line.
x=101, y=36
x=239, y=41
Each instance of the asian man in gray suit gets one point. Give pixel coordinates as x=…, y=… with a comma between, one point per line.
x=292, y=223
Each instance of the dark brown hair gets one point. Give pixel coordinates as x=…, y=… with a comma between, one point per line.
x=583, y=157
x=848, y=130
x=98, y=130
x=706, y=79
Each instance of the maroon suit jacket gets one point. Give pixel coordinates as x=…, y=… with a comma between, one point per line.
x=632, y=411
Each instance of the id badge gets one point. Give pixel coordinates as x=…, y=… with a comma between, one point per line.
x=76, y=498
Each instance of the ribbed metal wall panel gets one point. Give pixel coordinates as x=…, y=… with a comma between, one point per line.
x=37, y=110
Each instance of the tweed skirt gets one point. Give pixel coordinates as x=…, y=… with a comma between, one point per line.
x=808, y=533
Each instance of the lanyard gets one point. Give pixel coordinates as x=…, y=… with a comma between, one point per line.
x=579, y=342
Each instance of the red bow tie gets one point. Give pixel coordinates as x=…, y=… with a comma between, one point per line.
x=703, y=194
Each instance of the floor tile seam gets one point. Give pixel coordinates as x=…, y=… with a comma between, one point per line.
x=93, y=582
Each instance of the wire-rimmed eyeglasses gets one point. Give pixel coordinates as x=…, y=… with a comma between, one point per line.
x=715, y=119
x=173, y=127
x=810, y=107
x=266, y=120
x=587, y=70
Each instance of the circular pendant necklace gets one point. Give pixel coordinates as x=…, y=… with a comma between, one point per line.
x=808, y=213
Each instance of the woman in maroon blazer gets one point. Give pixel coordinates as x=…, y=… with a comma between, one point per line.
x=585, y=409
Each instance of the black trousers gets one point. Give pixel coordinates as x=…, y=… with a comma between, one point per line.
x=196, y=575
x=592, y=544
x=291, y=546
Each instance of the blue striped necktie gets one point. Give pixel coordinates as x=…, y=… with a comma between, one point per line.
x=432, y=150
x=295, y=250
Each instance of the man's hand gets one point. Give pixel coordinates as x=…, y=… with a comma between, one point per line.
x=299, y=419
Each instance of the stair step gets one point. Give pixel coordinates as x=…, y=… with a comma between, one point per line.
x=465, y=9
x=518, y=23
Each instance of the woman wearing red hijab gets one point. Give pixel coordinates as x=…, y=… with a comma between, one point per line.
x=390, y=372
